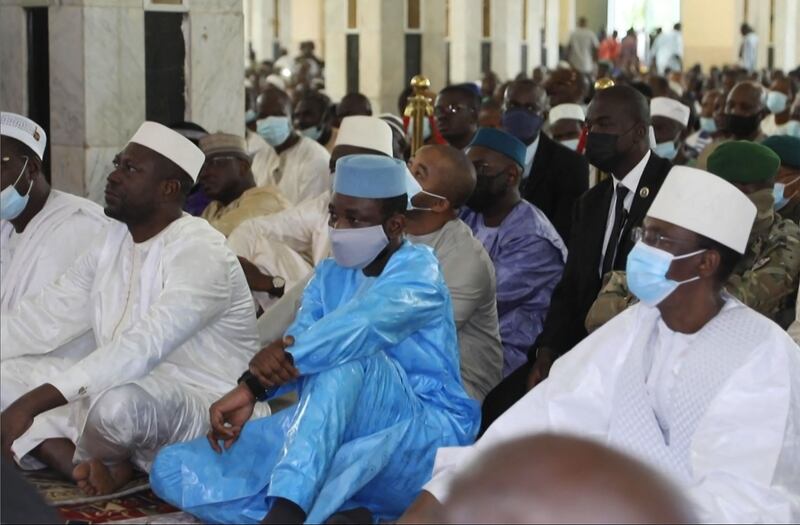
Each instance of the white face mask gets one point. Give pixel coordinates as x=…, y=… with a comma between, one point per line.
x=776, y=101
x=357, y=247
x=571, y=144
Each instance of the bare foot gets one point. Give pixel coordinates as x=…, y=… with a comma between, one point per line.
x=95, y=478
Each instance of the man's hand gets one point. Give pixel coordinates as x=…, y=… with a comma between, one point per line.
x=256, y=280
x=273, y=366
x=18, y=417
x=14, y=421
x=541, y=368
x=228, y=415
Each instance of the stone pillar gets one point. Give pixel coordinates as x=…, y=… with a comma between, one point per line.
x=259, y=19
x=382, y=52
x=215, y=75
x=758, y=17
x=434, y=57
x=465, y=40
x=535, y=27
x=507, y=38
x=787, y=35
x=552, y=32
x=566, y=20
x=97, y=78
x=13, y=60
x=335, y=52
x=97, y=90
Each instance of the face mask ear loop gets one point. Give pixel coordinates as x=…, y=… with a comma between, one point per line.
x=686, y=256
x=30, y=186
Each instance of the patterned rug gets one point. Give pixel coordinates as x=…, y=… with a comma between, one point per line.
x=59, y=492
x=134, y=503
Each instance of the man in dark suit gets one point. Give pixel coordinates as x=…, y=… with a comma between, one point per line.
x=554, y=176
x=618, y=120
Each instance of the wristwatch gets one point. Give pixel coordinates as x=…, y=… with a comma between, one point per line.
x=278, y=285
x=252, y=383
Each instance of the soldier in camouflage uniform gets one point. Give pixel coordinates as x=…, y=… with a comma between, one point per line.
x=788, y=149
x=766, y=278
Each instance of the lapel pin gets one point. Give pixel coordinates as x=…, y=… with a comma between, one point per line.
x=644, y=192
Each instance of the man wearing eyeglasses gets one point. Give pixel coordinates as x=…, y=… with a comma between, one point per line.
x=554, y=176
x=690, y=380
x=456, y=114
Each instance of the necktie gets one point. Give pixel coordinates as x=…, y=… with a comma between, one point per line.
x=620, y=216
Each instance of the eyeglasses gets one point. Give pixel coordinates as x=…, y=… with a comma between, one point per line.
x=653, y=238
x=7, y=158
x=481, y=169
x=450, y=109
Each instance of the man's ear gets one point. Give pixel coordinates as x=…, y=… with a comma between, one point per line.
x=709, y=264
x=514, y=176
x=171, y=188
x=396, y=225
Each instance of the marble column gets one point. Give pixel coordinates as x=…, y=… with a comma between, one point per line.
x=259, y=19
x=506, y=37
x=535, y=27
x=13, y=59
x=97, y=81
x=553, y=9
x=335, y=49
x=787, y=35
x=382, y=52
x=465, y=41
x=434, y=49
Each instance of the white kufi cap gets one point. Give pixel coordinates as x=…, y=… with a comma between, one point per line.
x=705, y=204
x=566, y=111
x=172, y=145
x=24, y=130
x=670, y=108
x=366, y=132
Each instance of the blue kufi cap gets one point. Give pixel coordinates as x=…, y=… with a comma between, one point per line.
x=372, y=177
x=501, y=142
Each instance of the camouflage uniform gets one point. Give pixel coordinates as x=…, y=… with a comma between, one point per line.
x=765, y=279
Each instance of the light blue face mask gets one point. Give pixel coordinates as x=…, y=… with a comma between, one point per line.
x=647, y=269
x=793, y=129
x=571, y=144
x=778, y=192
x=357, y=247
x=275, y=130
x=708, y=124
x=250, y=116
x=11, y=202
x=314, y=132
x=776, y=102
x=666, y=150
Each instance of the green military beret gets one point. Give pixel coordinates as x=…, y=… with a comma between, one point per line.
x=743, y=161
x=787, y=148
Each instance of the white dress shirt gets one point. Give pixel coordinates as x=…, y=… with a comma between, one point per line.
x=630, y=181
x=530, y=152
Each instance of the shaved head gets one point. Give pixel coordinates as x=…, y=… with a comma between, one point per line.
x=630, y=102
x=558, y=479
x=452, y=174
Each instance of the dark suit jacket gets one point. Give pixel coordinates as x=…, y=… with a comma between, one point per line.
x=581, y=281
x=558, y=177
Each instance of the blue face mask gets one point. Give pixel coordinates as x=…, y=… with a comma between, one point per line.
x=275, y=130
x=778, y=192
x=250, y=116
x=314, y=132
x=11, y=202
x=647, y=269
x=522, y=124
x=708, y=124
x=571, y=144
x=793, y=129
x=666, y=150
x=776, y=101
